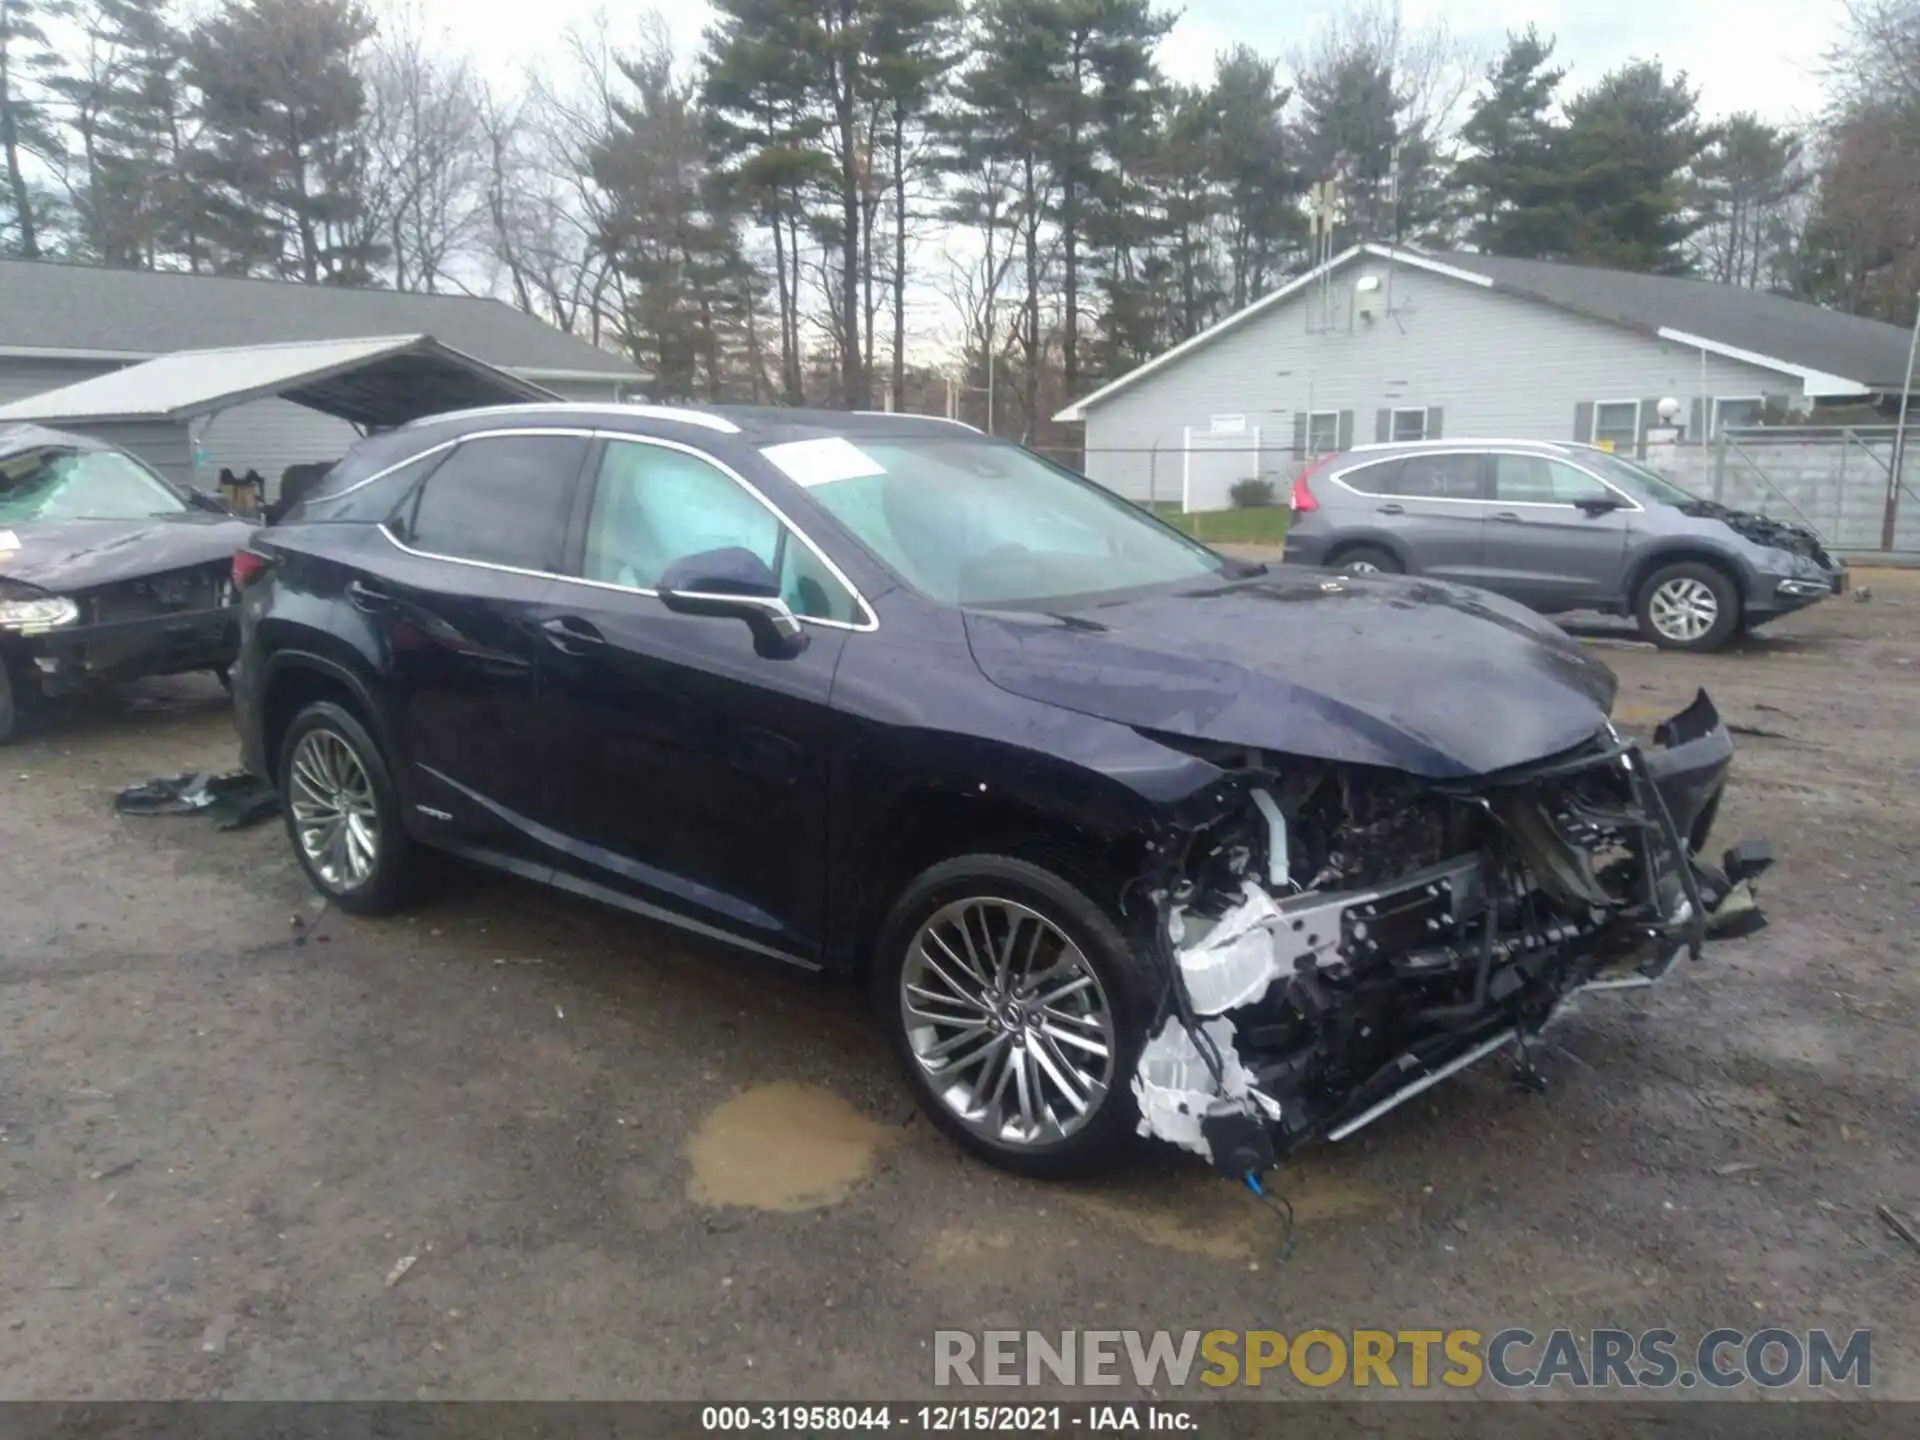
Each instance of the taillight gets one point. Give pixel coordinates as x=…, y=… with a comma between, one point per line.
x=247, y=568
x=1303, y=501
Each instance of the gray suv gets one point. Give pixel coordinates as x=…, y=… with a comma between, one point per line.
x=1558, y=526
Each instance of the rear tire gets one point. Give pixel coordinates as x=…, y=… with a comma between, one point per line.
x=1688, y=606
x=343, y=812
x=966, y=1058
x=1367, y=560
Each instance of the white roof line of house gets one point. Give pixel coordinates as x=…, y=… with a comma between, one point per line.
x=1399, y=254
x=134, y=357
x=1814, y=383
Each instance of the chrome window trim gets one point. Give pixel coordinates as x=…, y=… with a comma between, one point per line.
x=1628, y=503
x=586, y=433
x=870, y=624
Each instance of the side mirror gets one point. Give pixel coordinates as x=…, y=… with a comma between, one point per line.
x=1597, y=505
x=735, y=583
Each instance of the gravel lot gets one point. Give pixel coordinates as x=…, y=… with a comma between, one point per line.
x=628, y=1168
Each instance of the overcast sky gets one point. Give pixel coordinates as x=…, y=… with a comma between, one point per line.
x=1761, y=55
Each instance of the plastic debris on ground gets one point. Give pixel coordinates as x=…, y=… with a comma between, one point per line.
x=234, y=800
x=1176, y=1088
x=1232, y=963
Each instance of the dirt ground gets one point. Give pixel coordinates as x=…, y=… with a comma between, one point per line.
x=627, y=1168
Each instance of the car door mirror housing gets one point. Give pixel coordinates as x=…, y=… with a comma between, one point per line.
x=735, y=583
x=1596, y=505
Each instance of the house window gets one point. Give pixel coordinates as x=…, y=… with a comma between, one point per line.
x=1616, y=425
x=1736, y=411
x=1409, y=425
x=1323, y=432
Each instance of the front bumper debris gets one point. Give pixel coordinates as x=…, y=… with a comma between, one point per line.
x=1312, y=1011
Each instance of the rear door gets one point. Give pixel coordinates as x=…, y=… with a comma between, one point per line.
x=456, y=599
x=1542, y=546
x=1433, y=505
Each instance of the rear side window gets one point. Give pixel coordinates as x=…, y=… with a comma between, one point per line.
x=1376, y=479
x=502, y=500
x=1443, y=477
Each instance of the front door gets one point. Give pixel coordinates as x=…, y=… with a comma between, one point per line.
x=694, y=769
x=455, y=590
x=1550, y=540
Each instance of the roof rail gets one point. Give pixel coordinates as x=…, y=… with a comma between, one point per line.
x=679, y=415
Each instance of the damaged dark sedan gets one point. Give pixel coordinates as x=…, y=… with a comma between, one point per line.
x=1124, y=835
x=107, y=571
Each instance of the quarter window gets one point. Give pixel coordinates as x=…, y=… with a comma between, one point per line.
x=1442, y=477
x=1616, y=425
x=1536, y=480
x=653, y=506
x=502, y=500
x=1375, y=479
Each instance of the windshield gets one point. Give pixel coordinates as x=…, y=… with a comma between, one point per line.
x=1651, y=483
x=972, y=521
x=63, y=484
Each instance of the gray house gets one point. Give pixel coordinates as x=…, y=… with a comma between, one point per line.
x=1395, y=344
x=61, y=324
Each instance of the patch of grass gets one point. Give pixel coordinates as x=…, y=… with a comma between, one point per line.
x=1258, y=525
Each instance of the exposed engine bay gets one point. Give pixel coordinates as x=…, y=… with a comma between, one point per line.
x=1339, y=938
x=1796, y=539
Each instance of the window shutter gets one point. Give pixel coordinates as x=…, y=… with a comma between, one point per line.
x=1345, y=440
x=1383, y=424
x=1583, y=422
x=1299, y=434
x=1435, y=414
x=1697, y=422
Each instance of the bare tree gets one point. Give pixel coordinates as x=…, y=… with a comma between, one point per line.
x=427, y=154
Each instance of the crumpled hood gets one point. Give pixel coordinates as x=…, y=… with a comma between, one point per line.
x=63, y=556
x=1440, y=681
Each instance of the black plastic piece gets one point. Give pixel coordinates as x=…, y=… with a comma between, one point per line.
x=1239, y=1144
x=1748, y=860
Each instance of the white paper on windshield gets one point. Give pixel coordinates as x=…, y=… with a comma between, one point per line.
x=821, y=462
x=9, y=540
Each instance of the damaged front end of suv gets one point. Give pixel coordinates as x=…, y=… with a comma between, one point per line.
x=1338, y=938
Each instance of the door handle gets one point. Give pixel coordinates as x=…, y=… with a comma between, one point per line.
x=1505, y=517
x=369, y=598
x=1392, y=509
x=571, y=635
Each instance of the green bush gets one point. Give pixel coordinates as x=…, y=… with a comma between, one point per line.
x=1251, y=494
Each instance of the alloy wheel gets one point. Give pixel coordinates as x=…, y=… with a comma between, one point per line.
x=335, y=815
x=1361, y=567
x=1683, y=608
x=1008, y=1021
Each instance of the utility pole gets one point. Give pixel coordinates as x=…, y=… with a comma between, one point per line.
x=1890, y=519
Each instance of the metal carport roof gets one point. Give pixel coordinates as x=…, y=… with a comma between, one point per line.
x=374, y=383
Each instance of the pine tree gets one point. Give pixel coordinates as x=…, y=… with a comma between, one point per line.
x=280, y=159
x=1743, y=186
x=27, y=130
x=1258, y=183
x=1505, y=181
x=1622, y=170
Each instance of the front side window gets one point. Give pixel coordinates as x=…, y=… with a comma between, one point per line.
x=1442, y=477
x=653, y=506
x=61, y=483
x=1616, y=425
x=502, y=500
x=966, y=520
x=1536, y=480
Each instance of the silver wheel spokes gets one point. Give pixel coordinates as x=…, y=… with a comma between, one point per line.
x=1008, y=1021
x=1362, y=567
x=334, y=813
x=1684, y=608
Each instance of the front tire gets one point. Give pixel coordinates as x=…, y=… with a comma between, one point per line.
x=1016, y=1009
x=343, y=812
x=1688, y=606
